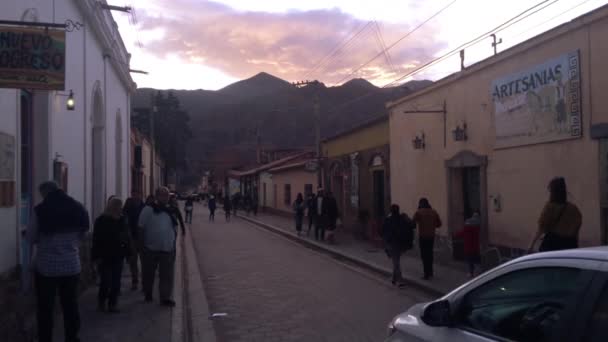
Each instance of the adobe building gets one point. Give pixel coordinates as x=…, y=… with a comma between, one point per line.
x=491, y=137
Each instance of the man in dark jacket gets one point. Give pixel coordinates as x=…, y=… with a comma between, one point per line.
x=56, y=230
x=132, y=209
x=398, y=236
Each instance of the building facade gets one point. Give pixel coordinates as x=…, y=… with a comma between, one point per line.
x=86, y=149
x=286, y=182
x=491, y=137
x=356, y=169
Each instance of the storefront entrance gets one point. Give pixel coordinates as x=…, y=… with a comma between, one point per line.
x=379, y=205
x=467, y=193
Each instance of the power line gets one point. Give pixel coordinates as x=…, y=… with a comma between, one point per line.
x=337, y=48
x=499, y=28
x=388, y=55
x=399, y=40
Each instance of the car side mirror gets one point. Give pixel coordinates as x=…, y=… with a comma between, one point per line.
x=437, y=314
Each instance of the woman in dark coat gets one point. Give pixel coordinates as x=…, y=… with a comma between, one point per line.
x=398, y=236
x=212, y=206
x=111, y=245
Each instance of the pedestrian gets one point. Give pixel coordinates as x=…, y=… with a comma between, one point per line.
x=254, y=205
x=111, y=245
x=470, y=235
x=299, y=207
x=331, y=215
x=150, y=200
x=247, y=204
x=227, y=208
x=212, y=205
x=236, y=202
x=133, y=207
x=55, y=232
x=174, y=206
x=158, y=226
x=398, y=236
x=560, y=221
x=320, y=208
x=311, y=211
x=189, y=208
x=428, y=221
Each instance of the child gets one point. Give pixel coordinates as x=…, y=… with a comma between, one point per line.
x=470, y=234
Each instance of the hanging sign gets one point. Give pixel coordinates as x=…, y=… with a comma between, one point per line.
x=32, y=58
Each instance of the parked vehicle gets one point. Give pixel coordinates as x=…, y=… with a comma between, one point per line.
x=554, y=296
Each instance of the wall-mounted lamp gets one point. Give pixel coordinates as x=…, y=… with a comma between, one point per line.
x=460, y=133
x=70, y=103
x=418, y=143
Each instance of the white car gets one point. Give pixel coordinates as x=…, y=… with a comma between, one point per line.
x=545, y=297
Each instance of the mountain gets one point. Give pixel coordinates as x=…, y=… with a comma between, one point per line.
x=271, y=110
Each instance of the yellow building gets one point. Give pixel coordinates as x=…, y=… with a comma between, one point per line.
x=356, y=170
x=492, y=136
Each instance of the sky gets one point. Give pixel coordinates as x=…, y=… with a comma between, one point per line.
x=200, y=44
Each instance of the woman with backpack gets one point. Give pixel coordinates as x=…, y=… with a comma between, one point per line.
x=398, y=236
x=299, y=206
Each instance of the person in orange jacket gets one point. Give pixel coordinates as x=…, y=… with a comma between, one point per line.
x=470, y=235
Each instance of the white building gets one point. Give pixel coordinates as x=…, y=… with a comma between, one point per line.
x=86, y=149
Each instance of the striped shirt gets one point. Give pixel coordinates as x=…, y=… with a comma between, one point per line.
x=56, y=254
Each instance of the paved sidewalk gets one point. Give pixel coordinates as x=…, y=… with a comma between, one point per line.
x=447, y=277
x=137, y=321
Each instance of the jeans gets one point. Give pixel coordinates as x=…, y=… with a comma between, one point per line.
x=299, y=219
x=46, y=291
x=188, y=216
x=110, y=272
x=211, y=215
x=320, y=229
x=165, y=263
x=310, y=222
x=134, y=260
x=396, y=259
x=426, y=252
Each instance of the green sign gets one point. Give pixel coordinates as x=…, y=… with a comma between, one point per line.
x=32, y=58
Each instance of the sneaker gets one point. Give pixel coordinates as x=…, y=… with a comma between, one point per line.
x=168, y=303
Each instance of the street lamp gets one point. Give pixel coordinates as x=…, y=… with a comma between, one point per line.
x=70, y=103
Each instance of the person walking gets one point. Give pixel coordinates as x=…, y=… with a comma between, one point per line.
x=111, y=245
x=320, y=215
x=398, y=236
x=311, y=212
x=174, y=206
x=254, y=204
x=227, y=208
x=189, y=209
x=158, y=226
x=236, y=202
x=133, y=207
x=331, y=216
x=212, y=205
x=428, y=221
x=299, y=207
x=470, y=235
x=56, y=229
x=560, y=221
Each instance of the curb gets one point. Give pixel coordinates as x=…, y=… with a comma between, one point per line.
x=178, y=321
x=375, y=268
x=198, y=322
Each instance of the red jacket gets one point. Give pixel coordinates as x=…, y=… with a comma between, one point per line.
x=470, y=234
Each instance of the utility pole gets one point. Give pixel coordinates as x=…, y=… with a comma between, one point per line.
x=153, y=111
x=317, y=114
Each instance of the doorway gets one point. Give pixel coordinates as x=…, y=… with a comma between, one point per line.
x=337, y=187
x=98, y=151
x=467, y=191
x=27, y=177
x=264, y=194
x=378, y=184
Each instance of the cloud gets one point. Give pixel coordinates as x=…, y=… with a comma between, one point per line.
x=288, y=45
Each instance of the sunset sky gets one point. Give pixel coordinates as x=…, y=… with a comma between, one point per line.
x=192, y=44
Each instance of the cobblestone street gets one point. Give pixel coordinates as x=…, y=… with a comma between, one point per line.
x=275, y=290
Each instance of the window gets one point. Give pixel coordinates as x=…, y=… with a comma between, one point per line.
x=599, y=320
x=287, y=194
x=307, y=190
x=523, y=305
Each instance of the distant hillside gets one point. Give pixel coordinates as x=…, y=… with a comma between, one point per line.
x=279, y=113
